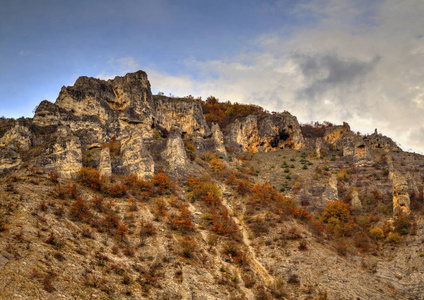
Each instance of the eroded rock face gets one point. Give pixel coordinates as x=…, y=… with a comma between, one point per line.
x=218, y=138
x=134, y=155
x=63, y=156
x=18, y=138
x=362, y=156
x=9, y=160
x=401, y=201
x=175, y=153
x=331, y=191
x=356, y=202
x=182, y=112
x=272, y=132
x=379, y=141
x=105, y=166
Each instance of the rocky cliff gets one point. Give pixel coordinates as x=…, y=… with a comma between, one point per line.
x=171, y=207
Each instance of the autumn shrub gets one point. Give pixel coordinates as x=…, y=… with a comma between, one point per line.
x=258, y=226
x=54, y=176
x=110, y=221
x=223, y=224
x=217, y=166
x=232, y=249
x=97, y=203
x=377, y=233
x=203, y=189
x=162, y=183
x=161, y=208
x=147, y=228
x=113, y=145
x=401, y=223
x=71, y=190
x=188, y=247
x=182, y=220
x=337, y=210
x=243, y=187
x=341, y=249
x=144, y=186
x=207, y=156
x=80, y=210
x=393, y=237
x=89, y=177
x=115, y=190
x=190, y=150
x=265, y=193
x=302, y=246
x=121, y=231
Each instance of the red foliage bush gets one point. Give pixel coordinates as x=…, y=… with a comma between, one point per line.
x=224, y=113
x=337, y=210
x=162, y=182
x=89, y=177
x=80, y=211
x=147, y=228
x=182, y=221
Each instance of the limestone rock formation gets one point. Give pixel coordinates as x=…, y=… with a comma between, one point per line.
x=379, y=141
x=331, y=192
x=355, y=202
x=183, y=112
x=134, y=155
x=175, y=153
x=401, y=201
x=18, y=138
x=63, y=156
x=9, y=160
x=105, y=167
x=266, y=134
x=218, y=138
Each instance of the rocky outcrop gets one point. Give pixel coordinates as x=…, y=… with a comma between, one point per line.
x=63, y=156
x=336, y=133
x=105, y=166
x=18, y=138
x=331, y=191
x=175, y=153
x=379, y=141
x=182, y=112
x=278, y=131
x=355, y=202
x=218, y=139
x=9, y=160
x=401, y=201
x=362, y=156
x=134, y=156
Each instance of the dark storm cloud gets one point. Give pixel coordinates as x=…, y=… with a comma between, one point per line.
x=328, y=72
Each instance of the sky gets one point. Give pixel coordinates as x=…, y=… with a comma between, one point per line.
x=354, y=61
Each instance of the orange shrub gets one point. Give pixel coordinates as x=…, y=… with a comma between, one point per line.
x=217, y=166
x=161, y=207
x=89, y=177
x=337, y=210
x=121, y=231
x=116, y=190
x=133, y=182
x=146, y=228
x=111, y=221
x=204, y=189
x=182, y=221
x=162, y=182
x=80, y=211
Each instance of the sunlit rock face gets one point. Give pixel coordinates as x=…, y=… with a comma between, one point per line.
x=278, y=131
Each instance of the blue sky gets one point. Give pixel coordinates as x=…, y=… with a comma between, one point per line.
x=338, y=60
